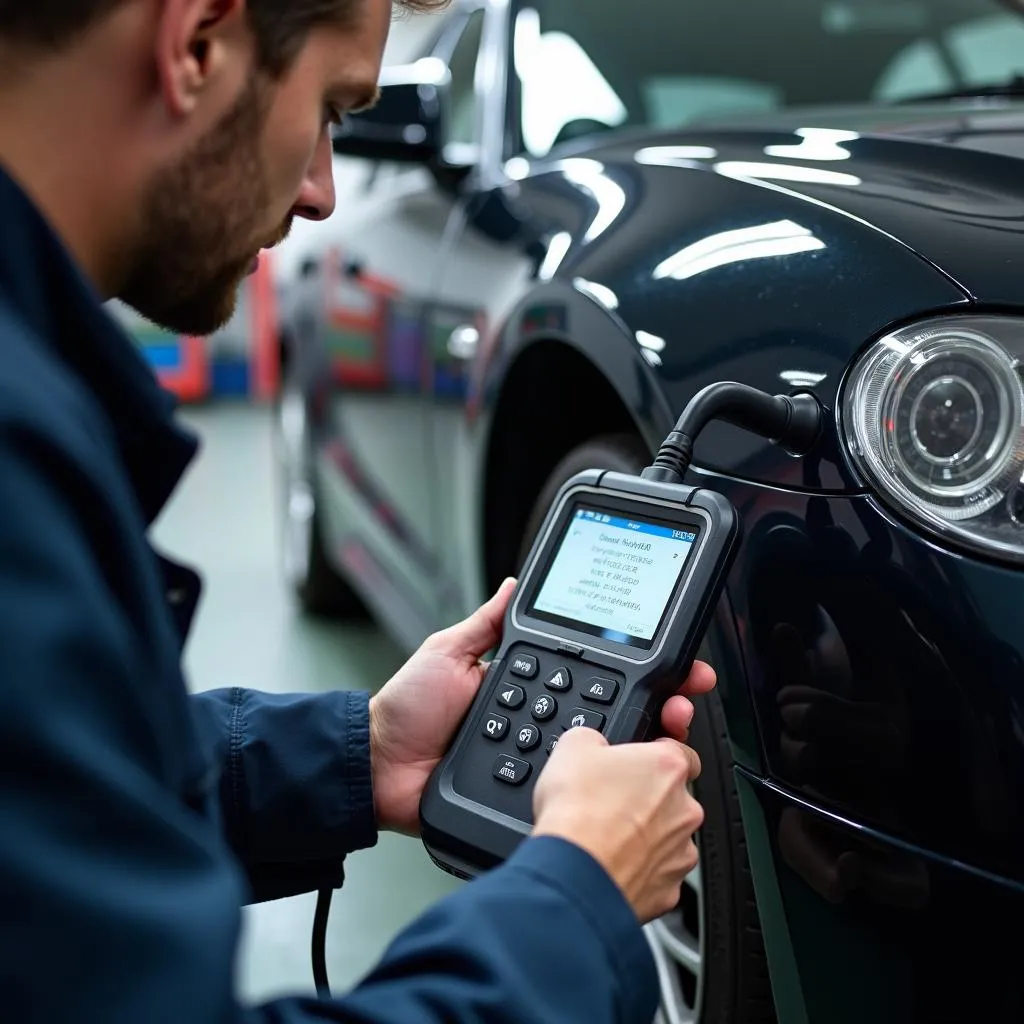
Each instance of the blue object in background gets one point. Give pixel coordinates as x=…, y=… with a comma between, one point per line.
x=163, y=357
x=230, y=377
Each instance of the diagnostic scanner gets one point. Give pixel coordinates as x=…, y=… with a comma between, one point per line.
x=605, y=622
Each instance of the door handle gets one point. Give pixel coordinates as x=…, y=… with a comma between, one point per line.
x=463, y=342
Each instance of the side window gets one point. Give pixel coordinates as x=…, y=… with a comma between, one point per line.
x=563, y=93
x=978, y=52
x=462, y=93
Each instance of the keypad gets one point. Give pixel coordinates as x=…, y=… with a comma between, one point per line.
x=537, y=694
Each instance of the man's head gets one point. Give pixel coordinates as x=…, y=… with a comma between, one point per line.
x=213, y=119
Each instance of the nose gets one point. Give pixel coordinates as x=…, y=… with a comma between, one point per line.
x=317, y=197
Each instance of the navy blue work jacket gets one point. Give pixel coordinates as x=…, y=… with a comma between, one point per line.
x=136, y=820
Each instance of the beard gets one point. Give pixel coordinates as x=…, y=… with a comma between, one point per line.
x=200, y=226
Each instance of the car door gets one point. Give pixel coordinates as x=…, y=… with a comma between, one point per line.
x=380, y=276
x=495, y=252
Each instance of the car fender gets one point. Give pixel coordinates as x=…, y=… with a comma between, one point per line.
x=711, y=278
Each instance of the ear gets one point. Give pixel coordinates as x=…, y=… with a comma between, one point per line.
x=200, y=46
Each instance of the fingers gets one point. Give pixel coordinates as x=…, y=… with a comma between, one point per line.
x=690, y=756
x=701, y=679
x=676, y=716
x=476, y=635
x=580, y=737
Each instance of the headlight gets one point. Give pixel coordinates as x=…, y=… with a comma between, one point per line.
x=934, y=417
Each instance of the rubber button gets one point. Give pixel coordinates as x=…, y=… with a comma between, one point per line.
x=528, y=737
x=495, y=726
x=600, y=689
x=544, y=708
x=511, y=770
x=560, y=680
x=585, y=718
x=524, y=666
x=510, y=696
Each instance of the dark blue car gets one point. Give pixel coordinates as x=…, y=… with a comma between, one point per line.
x=576, y=214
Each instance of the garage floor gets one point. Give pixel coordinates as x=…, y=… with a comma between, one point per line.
x=224, y=520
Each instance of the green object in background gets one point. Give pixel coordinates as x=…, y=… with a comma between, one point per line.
x=143, y=331
x=356, y=348
x=149, y=334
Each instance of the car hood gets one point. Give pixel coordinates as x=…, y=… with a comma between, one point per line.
x=946, y=180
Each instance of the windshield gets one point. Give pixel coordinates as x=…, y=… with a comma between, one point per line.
x=589, y=65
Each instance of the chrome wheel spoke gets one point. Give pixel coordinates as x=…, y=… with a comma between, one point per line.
x=674, y=1008
x=677, y=943
x=684, y=949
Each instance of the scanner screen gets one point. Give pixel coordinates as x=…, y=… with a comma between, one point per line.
x=614, y=576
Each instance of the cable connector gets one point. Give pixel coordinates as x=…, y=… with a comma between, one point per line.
x=792, y=422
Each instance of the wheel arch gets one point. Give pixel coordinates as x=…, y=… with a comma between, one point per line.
x=562, y=368
x=553, y=398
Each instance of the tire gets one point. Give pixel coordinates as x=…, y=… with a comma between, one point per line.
x=321, y=591
x=709, y=951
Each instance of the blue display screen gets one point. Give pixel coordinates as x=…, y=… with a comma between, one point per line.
x=614, y=576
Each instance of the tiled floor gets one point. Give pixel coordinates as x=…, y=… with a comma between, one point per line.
x=224, y=520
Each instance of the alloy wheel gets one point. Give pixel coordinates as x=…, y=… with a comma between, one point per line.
x=677, y=942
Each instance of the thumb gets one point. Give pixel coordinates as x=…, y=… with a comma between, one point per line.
x=582, y=736
x=476, y=635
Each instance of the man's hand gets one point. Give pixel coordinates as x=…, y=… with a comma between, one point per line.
x=414, y=717
x=629, y=807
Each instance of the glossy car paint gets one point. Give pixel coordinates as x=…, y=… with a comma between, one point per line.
x=882, y=797
x=905, y=936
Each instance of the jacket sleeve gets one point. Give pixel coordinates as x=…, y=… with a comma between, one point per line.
x=121, y=902
x=544, y=939
x=295, y=784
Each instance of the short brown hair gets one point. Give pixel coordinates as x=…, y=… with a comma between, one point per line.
x=280, y=26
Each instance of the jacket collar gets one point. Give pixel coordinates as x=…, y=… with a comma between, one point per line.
x=41, y=283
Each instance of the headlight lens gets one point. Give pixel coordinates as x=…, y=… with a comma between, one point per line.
x=934, y=418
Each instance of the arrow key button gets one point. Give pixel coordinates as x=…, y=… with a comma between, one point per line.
x=510, y=696
x=560, y=680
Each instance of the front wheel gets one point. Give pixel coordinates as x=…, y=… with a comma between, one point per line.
x=708, y=951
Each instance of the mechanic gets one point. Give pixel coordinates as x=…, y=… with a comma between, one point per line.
x=148, y=150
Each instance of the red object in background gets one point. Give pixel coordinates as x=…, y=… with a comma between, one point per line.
x=190, y=381
x=265, y=348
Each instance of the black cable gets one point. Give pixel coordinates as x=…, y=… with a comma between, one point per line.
x=791, y=422
x=323, y=910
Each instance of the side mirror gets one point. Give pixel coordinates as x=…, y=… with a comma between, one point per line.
x=405, y=123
